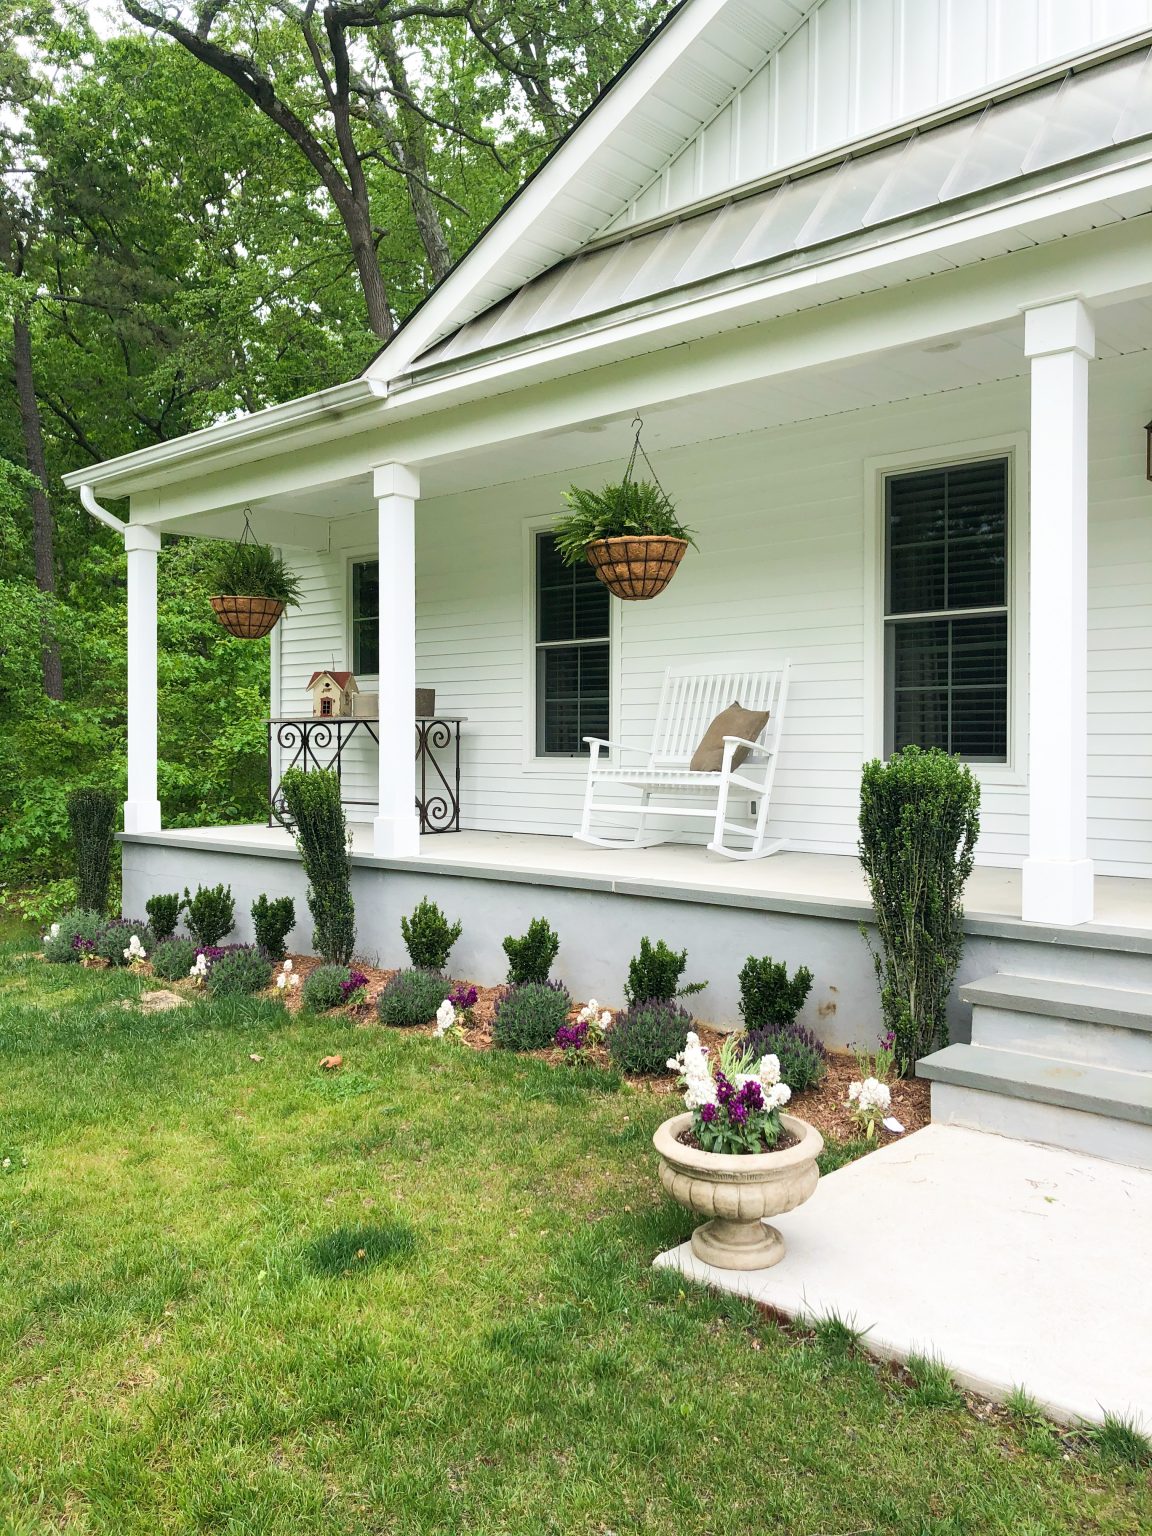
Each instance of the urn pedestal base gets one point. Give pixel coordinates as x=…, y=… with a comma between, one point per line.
x=738, y=1244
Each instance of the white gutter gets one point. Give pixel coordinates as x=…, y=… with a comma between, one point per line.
x=273, y=421
x=101, y=514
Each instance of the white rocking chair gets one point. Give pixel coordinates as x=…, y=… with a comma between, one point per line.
x=690, y=700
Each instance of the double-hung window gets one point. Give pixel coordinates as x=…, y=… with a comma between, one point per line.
x=946, y=630
x=366, y=618
x=572, y=653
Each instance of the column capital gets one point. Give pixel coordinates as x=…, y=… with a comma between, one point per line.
x=395, y=480
x=1063, y=326
x=140, y=536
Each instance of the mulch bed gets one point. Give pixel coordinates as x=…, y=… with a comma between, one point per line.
x=823, y=1107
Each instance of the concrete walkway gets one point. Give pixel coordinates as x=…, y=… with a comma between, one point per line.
x=1014, y=1264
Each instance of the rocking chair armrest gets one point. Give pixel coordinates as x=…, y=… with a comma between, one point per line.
x=753, y=746
x=613, y=746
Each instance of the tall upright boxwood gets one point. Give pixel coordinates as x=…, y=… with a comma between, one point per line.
x=92, y=818
x=919, y=818
x=313, y=803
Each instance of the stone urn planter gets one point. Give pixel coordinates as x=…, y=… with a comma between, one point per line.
x=737, y=1191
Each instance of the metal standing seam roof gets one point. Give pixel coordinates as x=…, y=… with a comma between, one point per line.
x=1038, y=131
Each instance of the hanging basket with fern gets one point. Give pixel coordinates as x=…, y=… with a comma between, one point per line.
x=253, y=587
x=629, y=533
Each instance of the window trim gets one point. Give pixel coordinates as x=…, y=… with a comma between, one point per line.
x=351, y=558
x=1014, y=448
x=531, y=762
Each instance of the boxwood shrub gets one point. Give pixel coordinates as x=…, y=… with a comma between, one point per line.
x=645, y=1037
x=412, y=997
x=238, y=971
x=172, y=959
x=163, y=915
x=528, y=1016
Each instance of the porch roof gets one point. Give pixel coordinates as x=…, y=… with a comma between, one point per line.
x=1091, y=118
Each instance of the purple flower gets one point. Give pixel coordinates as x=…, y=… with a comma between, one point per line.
x=463, y=997
x=887, y=1040
x=725, y=1092
x=750, y=1096
x=572, y=1037
x=356, y=980
x=85, y=946
x=737, y=1112
x=707, y=1113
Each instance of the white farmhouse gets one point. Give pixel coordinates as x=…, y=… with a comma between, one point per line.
x=877, y=275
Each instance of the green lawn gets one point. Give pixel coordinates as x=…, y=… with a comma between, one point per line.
x=415, y=1297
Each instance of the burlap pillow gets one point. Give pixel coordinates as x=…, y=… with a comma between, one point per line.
x=733, y=721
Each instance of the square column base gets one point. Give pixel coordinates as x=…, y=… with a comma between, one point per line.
x=395, y=837
x=1057, y=891
x=141, y=815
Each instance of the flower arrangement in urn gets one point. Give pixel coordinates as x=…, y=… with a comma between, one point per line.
x=734, y=1156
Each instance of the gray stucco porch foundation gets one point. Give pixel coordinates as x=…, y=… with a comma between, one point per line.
x=806, y=909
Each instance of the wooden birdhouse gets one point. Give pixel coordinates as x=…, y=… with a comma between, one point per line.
x=332, y=694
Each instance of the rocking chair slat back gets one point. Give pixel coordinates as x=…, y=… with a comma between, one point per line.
x=693, y=695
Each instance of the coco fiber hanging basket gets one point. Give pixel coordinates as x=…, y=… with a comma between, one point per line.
x=637, y=566
x=248, y=618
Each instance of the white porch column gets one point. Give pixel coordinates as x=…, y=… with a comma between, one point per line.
x=142, y=808
x=1057, y=887
x=396, y=830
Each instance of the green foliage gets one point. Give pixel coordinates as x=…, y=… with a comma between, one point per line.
x=531, y=958
x=116, y=936
x=210, y=914
x=59, y=947
x=803, y=1059
x=314, y=805
x=429, y=936
x=172, y=959
x=646, y=1037
x=634, y=506
x=273, y=920
x=655, y=973
x=528, y=1016
x=253, y=570
x=92, y=815
x=919, y=820
x=239, y=972
x=163, y=914
x=769, y=996
x=1120, y=1441
x=323, y=987
x=412, y=997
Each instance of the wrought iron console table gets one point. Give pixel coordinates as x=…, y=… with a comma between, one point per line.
x=320, y=741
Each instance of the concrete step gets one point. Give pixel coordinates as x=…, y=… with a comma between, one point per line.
x=1063, y=1020
x=1103, y=1111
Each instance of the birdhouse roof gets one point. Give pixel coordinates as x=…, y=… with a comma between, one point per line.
x=341, y=679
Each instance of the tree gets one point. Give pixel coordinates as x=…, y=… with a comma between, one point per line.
x=335, y=81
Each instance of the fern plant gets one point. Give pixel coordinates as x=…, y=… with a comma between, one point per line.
x=635, y=507
x=253, y=570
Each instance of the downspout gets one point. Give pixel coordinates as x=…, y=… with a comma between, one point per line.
x=101, y=514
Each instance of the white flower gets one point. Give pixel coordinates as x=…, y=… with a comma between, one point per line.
x=445, y=1018
x=54, y=931
x=285, y=977
x=288, y=967
x=281, y=981
x=768, y=1071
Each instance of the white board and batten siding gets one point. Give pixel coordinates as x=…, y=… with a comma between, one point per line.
x=853, y=68
x=781, y=571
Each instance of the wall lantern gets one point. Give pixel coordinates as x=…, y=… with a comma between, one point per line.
x=1148, y=464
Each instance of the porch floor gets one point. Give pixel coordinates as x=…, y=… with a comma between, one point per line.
x=804, y=882
x=982, y=1252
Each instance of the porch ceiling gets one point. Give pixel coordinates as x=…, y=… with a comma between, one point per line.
x=302, y=517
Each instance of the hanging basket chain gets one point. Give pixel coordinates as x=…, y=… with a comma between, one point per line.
x=638, y=449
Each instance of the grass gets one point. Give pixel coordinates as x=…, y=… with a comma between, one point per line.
x=242, y=1298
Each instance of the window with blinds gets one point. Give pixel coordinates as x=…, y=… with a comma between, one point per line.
x=366, y=618
x=946, y=610
x=572, y=654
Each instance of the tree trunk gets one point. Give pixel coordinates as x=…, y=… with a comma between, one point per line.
x=409, y=143
x=42, y=522
x=359, y=227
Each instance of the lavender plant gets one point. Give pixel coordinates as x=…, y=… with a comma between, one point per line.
x=528, y=1016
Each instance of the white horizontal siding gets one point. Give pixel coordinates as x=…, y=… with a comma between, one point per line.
x=855, y=67
x=780, y=516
